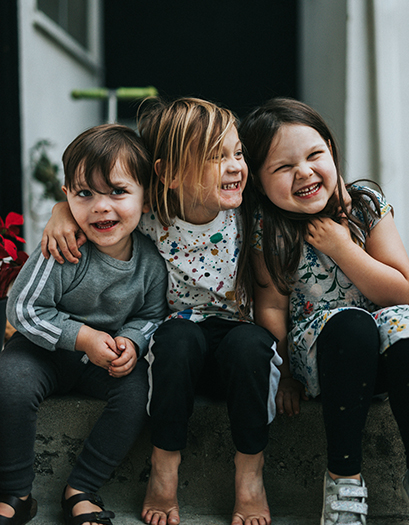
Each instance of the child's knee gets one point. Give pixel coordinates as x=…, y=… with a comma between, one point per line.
x=17, y=390
x=178, y=340
x=350, y=334
x=248, y=344
x=19, y=383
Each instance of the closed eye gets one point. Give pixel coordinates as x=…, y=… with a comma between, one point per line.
x=283, y=167
x=315, y=154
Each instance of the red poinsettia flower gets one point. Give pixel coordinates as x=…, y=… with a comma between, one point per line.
x=10, y=228
x=9, y=271
x=11, y=259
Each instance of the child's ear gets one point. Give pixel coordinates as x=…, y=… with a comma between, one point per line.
x=330, y=147
x=64, y=189
x=158, y=170
x=146, y=206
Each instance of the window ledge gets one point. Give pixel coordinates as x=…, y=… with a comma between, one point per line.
x=88, y=58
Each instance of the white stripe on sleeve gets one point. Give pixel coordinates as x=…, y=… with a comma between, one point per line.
x=31, y=314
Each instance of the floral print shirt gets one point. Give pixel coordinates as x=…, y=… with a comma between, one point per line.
x=320, y=291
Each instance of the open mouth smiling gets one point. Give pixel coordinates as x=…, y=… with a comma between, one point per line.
x=305, y=192
x=231, y=186
x=104, y=225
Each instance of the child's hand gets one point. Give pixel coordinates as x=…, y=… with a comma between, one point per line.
x=62, y=232
x=100, y=347
x=288, y=396
x=328, y=236
x=127, y=359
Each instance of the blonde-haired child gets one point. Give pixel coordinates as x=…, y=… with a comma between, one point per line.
x=198, y=176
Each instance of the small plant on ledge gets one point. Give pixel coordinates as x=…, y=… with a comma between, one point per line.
x=45, y=172
x=11, y=259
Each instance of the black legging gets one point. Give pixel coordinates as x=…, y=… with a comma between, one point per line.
x=350, y=370
x=394, y=362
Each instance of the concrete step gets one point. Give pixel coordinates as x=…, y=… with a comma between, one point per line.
x=48, y=518
x=295, y=461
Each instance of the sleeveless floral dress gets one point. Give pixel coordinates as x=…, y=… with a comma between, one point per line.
x=320, y=291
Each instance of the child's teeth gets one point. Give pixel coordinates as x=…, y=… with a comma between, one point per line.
x=231, y=186
x=103, y=225
x=309, y=190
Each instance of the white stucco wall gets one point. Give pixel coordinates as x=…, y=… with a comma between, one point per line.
x=355, y=72
x=378, y=106
x=322, y=50
x=48, y=73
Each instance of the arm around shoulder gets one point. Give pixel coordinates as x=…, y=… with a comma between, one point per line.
x=62, y=233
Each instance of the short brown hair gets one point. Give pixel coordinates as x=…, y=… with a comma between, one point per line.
x=99, y=148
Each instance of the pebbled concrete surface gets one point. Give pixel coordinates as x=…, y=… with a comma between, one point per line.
x=294, y=465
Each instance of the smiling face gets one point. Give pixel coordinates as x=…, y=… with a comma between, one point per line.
x=222, y=184
x=299, y=174
x=108, y=214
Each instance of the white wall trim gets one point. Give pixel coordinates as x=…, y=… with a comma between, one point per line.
x=88, y=57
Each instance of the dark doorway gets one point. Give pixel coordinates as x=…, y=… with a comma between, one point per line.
x=235, y=53
x=10, y=150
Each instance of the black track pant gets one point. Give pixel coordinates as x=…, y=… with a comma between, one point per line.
x=224, y=358
x=351, y=370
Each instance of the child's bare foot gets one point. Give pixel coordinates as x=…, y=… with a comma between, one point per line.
x=251, y=507
x=161, y=504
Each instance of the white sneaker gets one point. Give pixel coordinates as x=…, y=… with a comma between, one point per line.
x=344, y=501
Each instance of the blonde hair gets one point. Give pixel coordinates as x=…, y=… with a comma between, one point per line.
x=182, y=135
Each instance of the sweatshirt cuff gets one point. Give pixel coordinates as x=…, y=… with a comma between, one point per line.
x=69, y=335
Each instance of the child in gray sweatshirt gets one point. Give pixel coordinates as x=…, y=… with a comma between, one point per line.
x=84, y=327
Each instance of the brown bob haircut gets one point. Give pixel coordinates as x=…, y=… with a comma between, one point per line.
x=97, y=149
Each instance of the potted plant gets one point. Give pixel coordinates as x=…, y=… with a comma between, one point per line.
x=11, y=261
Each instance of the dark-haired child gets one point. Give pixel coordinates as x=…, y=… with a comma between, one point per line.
x=84, y=327
x=332, y=282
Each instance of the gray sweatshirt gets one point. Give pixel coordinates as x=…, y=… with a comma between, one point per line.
x=49, y=302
